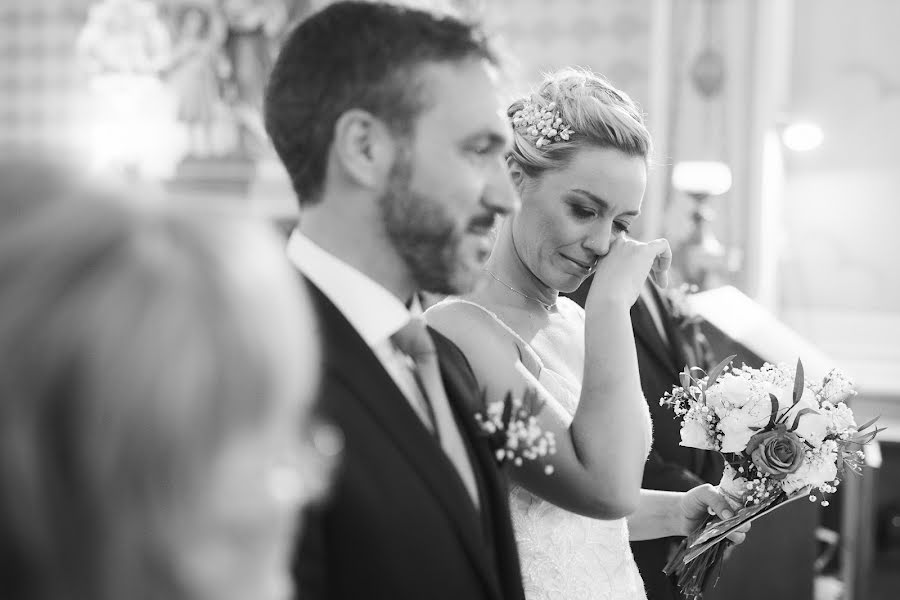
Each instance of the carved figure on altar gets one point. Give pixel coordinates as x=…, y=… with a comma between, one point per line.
x=194, y=72
x=176, y=79
x=253, y=28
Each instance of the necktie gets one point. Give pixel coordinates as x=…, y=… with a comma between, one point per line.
x=414, y=341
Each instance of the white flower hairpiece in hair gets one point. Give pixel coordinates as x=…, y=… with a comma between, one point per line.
x=544, y=125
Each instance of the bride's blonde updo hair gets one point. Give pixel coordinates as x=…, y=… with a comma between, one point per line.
x=585, y=110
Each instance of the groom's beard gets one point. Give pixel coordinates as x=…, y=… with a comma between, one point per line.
x=423, y=234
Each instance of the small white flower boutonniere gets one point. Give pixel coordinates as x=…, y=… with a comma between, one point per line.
x=513, y=431
x=682, y=313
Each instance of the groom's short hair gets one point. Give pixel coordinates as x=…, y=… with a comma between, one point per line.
x=360, y=55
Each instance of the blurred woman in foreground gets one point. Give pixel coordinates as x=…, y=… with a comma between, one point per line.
x=155, y=373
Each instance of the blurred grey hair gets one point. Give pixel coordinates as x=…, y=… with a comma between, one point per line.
x=601, y=116
x=135, y=341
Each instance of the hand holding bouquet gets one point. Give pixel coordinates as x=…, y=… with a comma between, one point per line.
x=782, y=438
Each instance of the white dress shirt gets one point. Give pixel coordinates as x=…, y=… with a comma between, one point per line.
x=372, y=310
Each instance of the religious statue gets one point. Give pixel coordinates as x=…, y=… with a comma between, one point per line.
x=253, y=28
x=195, y=71
x=204, y=63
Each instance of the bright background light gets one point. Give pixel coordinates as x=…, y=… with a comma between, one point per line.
x=802, y=136
x=134, y=126
x=702, y=177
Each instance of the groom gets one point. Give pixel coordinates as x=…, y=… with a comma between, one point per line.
x=389, y=123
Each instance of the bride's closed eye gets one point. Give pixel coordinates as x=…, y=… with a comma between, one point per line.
x=581, y=212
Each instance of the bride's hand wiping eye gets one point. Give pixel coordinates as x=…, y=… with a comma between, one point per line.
x=661, y=264
x=621, y=274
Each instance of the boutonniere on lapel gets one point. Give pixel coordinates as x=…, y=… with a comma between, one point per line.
x=687, y=323
x=683, y=316
x=513, y=431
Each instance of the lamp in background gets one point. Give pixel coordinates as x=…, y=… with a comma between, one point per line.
x=703, y=256
x=801, y=136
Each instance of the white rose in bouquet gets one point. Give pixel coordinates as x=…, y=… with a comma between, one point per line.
x=736, y=432
x=695, y=434
x=812, y=427
x=837, y=388
x=841, y=418
x=735, y=426
x=807, y=400
x=818, y=470
x=811, y=424
x=732, y=391
x=783, y=394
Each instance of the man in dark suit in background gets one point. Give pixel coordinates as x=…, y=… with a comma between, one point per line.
x=389, y=123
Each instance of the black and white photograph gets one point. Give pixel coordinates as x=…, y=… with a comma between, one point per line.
x=449, y=300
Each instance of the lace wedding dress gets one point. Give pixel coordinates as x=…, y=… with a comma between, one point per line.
x=566, y=556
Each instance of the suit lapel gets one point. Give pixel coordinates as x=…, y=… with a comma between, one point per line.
x=465, y=399
x=349, y=359
x=676, y=336
x=677, y=354
x=645, y=332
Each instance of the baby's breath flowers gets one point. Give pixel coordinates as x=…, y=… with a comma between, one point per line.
x=544, y=125
x=511, y=426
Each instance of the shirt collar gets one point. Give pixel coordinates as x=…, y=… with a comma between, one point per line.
x=372, y=310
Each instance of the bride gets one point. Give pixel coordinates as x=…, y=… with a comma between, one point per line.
x=579, y=163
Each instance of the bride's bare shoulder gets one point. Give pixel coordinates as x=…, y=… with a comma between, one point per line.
x=455, y=317
x=488, y=344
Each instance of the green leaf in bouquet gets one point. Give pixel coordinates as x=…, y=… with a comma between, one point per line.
x=506, y=417
x=798, y=382
x=718, y=369
x=805, y=411
x=861, y=439
x=774, y=416
x=685, y=377
x=868, y=424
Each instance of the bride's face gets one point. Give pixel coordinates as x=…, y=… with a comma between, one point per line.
x=569, y=217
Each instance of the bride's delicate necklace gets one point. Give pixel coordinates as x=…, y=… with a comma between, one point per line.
x=523, y=294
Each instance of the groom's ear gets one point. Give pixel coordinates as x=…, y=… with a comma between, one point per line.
x=363, y=148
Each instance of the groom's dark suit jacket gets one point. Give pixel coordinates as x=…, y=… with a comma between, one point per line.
x=399, y=523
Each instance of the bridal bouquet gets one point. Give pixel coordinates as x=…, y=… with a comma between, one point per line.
x=783, y=437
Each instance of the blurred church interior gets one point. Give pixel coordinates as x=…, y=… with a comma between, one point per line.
x=777, y=132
